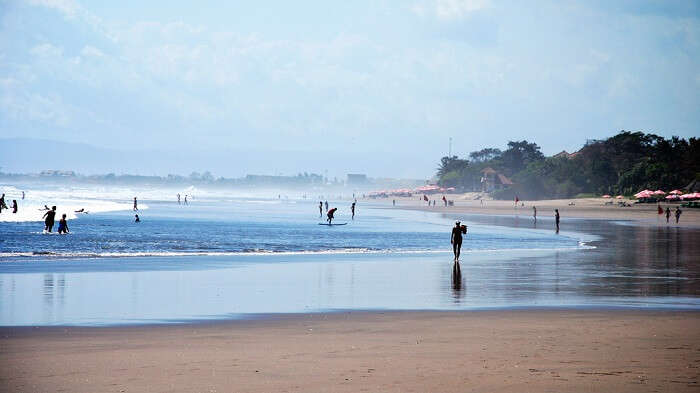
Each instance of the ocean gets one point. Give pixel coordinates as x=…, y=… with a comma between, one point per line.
x=242, y=256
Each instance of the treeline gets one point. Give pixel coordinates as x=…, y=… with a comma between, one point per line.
x=622, y=164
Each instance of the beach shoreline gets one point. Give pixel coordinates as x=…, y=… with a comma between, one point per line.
x=582, y=208
x=506, y=351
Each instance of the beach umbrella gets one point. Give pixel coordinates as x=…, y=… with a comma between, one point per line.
x=672, y=197
x=659, y=192
x=606, y=196
x=619, y=197
x=644, y=194
x=676, y=192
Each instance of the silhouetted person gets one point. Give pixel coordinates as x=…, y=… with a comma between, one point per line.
x=678, y=213
x=320, y=209
x=2, y=203
x=63, y=225
x=352, y=209
x=49, y=217
x=456, y=239
x=178, y=199
x=330, y=215
x=81, y=210
x=393, y=201
x=185, y=199
x=534, y=212
x=14, y=206
x=556, y=218
x=326, y=205
x=22, y=195
x=444, y=200
x=136, y=205
x=137, y=218
x=668, y=214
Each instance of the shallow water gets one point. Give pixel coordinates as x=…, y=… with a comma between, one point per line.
x=270, y=256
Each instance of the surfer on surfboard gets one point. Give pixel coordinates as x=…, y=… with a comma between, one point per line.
x=330, y=215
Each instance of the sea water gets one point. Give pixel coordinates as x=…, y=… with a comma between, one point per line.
x=223, y=256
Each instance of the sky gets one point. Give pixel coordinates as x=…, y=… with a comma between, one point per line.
x=376, y=87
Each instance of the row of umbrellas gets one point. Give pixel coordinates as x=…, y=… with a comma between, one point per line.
x=675, y=194
x=427, y=189
x=672, y=195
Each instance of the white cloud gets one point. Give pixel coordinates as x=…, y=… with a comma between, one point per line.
x=46, y=50
x=91, y=51
x=69, y=8
x=456, y=9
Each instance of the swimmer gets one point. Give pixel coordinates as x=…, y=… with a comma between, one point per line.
x=63, y=225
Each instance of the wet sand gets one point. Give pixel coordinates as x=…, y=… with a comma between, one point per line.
x=590, y=208
x=501, y=351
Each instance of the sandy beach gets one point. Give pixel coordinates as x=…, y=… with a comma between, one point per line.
x=589, y=208
x=494, y=351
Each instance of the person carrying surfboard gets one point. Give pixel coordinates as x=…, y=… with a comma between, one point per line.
x=330, y=214
x=456, y=239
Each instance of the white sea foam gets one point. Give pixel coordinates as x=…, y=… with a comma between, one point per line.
x=67, y=201
x=347, y=251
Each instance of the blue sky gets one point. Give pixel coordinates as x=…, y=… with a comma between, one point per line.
x=393, y=79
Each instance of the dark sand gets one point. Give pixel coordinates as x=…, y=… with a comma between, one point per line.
x=494, y=351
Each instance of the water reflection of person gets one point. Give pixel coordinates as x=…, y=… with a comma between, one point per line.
x=457, y=290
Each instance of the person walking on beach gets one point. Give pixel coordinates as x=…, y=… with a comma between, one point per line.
x=678, y=213
x=556, y=218
x=534, y=212
x=352, y=209
x=330, y=215
x=444, y=200
x=49, y=218
x=14, y=206
x=185, y=199
x=136, y=205
x=63, y=225
x=668, y=214
x=456, y=239
x=320, y=208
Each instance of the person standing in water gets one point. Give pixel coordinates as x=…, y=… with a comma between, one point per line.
x=352, y=209
x=49, y=218
x=326, y=205
x=14, y=206
x=185, y=199
x=534, y=212
x=320, y=209
x=178, y=199
x=668, y=214
x=22, y=195
x=456, y=239
x=137, y=219
x=556, y=218
x=136, y=205
x=330, y=215
x=2, y=203
x=63, y=225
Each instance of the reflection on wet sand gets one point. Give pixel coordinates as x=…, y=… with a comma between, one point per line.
x=458, y=288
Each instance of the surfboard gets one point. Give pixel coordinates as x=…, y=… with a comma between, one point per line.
x=330, y=225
